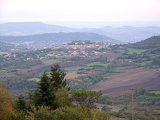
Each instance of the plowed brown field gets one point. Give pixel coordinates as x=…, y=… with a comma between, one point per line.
x=131, y=78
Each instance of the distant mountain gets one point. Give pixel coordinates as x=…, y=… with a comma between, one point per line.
x=28, y=28
x=52, y=39
x=126, y=33
x=6, y=47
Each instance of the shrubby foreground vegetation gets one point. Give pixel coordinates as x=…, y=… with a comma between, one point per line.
x=51, y=100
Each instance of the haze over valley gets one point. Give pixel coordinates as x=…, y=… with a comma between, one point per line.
x=125, y=34
x=79, y=60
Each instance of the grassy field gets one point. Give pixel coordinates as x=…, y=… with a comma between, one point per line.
x=96, y=63
x=137, y=51
x=51, y=52
x=3, y=71
x=120, y=51
x=34, y=79
x=49, y=62
x=145, y=63
x=116, y=118
x=156, y=69
x=110, y=74
x=157, y=92
x=126, y=60
x=144, y=97
x=71, y=71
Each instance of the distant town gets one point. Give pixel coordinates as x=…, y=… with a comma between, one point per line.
x=79, y=48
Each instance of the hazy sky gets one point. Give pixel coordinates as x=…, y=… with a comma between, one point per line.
x=79, y=10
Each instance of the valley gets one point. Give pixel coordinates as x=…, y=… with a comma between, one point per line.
x=79, y=60
x=96, y=66
x=45, y=40
x=124, y=34
x=92, y=65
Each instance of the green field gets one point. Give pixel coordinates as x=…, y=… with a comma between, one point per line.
x=34, y=79
x=49, y=61
x=3, y=71
x=110, y=74
x=96, y=63
x=126, y=60
x=157, y=92
x=52, y=52
x=156, y=69
x=137, y=51
x=144, y=97
x=70, y=71
x=145, y=63
x=120, y=51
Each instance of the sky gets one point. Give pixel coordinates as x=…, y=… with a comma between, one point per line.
x=79, y=10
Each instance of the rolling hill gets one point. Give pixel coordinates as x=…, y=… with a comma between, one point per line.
x=6, y=47
x=52, y=39
x=150, y=45
x=28, y=28
x=124, y=33
x=152, y=42
x=142, y=69
x=123, y=69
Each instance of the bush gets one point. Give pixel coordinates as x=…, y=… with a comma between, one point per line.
x=18, y=115
x=101, y=116
x=40, y=113
x=5, y=104
x=62, y=98
x=69, y=113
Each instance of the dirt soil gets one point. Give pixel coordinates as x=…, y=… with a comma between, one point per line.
x=72, y=75
x=131, y=78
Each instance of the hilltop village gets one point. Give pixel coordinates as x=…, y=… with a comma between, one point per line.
x=79, y=48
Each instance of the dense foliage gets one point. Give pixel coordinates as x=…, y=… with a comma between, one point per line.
x=5, y=104
x=52, y=100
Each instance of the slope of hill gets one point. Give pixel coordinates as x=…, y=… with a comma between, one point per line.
x=150, y=43
x=142, y=69
x=131, y=78
x=27, y=28
x=51, y=39
x=6, y=47
x=148, y=46
x=110, y=69
x=126, y=33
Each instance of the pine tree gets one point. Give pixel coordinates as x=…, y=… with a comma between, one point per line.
x=21, y=103
x=44, y=95
x=57, y=77
x=48, y=86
